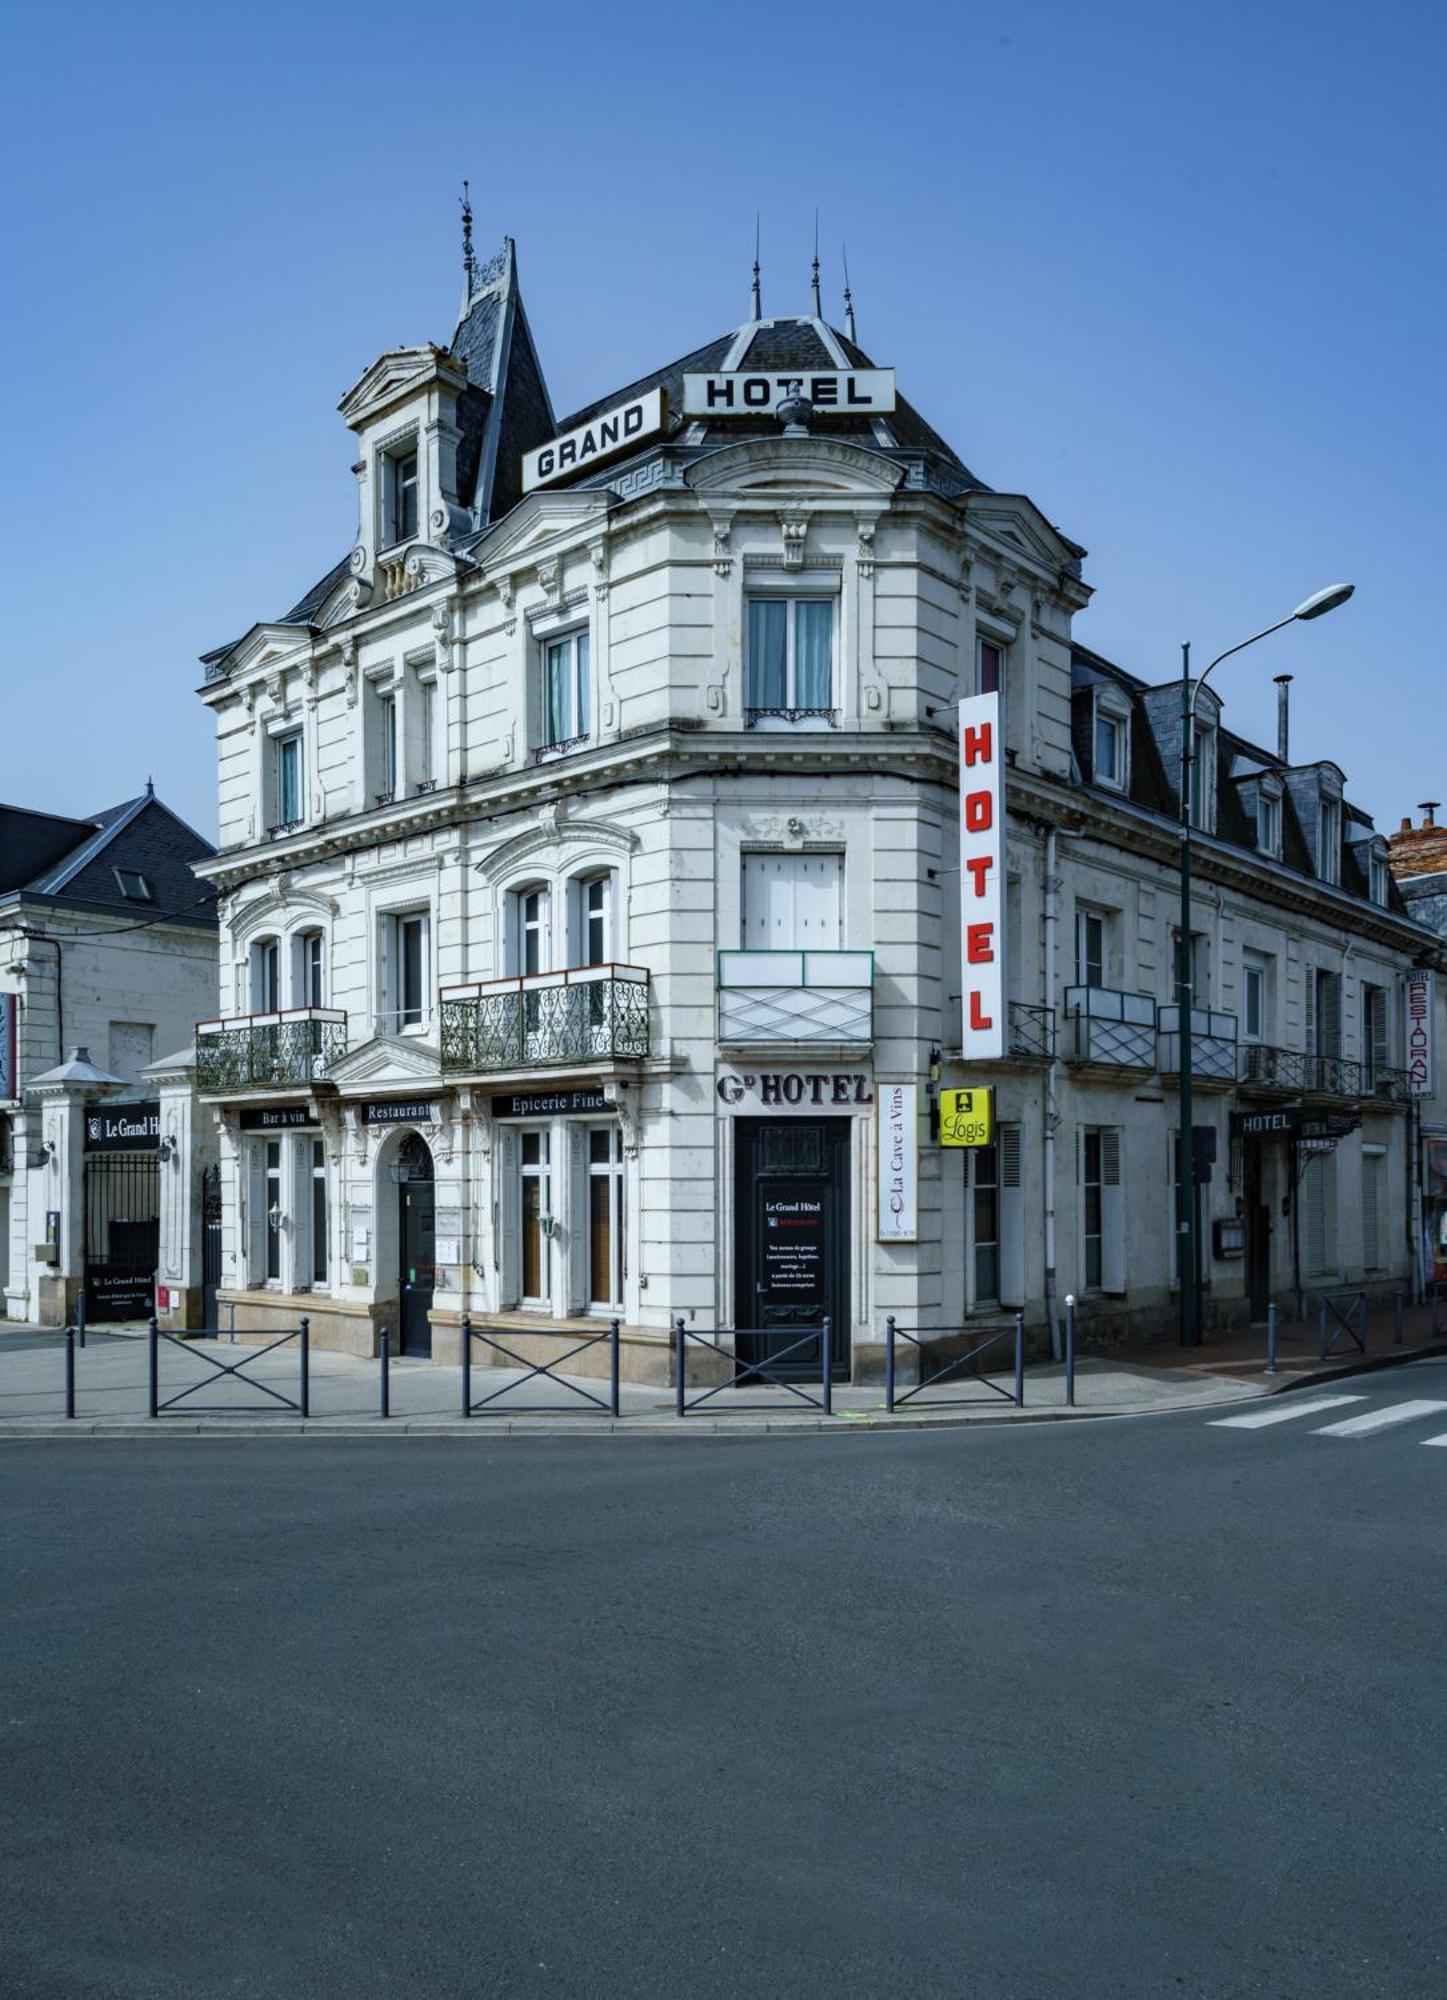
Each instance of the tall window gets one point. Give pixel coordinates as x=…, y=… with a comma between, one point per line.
x=1254, y=997
x=272, y=1190
x=1196, y=968
x=595, y=920
x=1374, y=1162
x=1102, y=1217
x=387, y=746
x=426, y=729
x=1089, y=948
x=605, y=1216
x=983, y=1196
x=1318, y=1199
x=402, y=497
x=536, y=1209
x=1203, y=777
x=265, y=976
x=1376, y=1046
x=318, y=1164
x=1093, y=1235
x=306, y=969
x=405, y=971
x=1328, y=840
x=1379, y=878
x=789, y=671
x=287, y=779
x=989, y=666
x=532, y=909
x=1268, y=824
x=1109, y=749
x=565, y=690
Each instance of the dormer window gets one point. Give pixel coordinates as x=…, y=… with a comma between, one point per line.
x=134, y=886
x=1203, y=777
x=1328, y=840
x=401, y=495
x=1379, y=877
x=1268, y=823
x=1112, y=742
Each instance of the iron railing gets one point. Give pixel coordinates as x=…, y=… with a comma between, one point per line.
x=1296, y=1072
x=592, y=1013
x=1112, y=1028
x=922, y=1339
x=586, y=1400
x=754, y=716
x=287, y=1050
x=1032, y=1032
x=1213, y=1044
x=795, y=996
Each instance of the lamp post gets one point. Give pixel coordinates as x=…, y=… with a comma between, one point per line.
x=1315, y=606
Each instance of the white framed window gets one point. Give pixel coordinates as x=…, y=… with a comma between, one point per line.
x=1379, y=876
x=400, y=496
x=1374, y=1170
x=1268, y=822
x=427, y=762
x=1376, y=1035
x=406, y=971
x=982, y=1226
x=1328, y=839
x=531, y=917
x=1256, y=997
x=312, y=1166
x=386, y=746
x=274, y=1216
x=1111, y=747
x=564, y=710
x=308, y=984
x=1090, y=947
x=1203, y=777
x=1102, y=1216
x=265, y=979
x=595, y=914
x=789, y=660
x=286, y=780
x=792, y=902
x=536, y=1209
x=605, y=1217
x=989, y=666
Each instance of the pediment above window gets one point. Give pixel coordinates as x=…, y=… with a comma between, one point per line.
x=774, y=466
x=394, y=378
x=546, y=846
x=540, y=519
x=387, y=1059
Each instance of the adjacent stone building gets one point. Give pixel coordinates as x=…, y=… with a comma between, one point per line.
x=589, y=880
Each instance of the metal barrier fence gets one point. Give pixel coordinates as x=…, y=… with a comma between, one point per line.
x=484, y=1404
x=160, y=1407
x=895, y=1398
x=1340, y=1316
x=819, y=1336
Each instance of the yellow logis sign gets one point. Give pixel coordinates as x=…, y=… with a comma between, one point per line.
x=967, y=1117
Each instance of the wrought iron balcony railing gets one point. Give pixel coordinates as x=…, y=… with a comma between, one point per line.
x=1116, y=1029
x=1297, y=1072
x=1213, y=1044
x=795, y=996
x=287, y=1050
x=591, y=1013
x=1032, y=1032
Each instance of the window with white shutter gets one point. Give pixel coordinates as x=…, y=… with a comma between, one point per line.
x=1373, y=1180
x=1012, y=1218
x=1316, y=1181
x=793, y=902
x=1112, y=1212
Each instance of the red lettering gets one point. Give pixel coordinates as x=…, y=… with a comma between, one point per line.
x=979, y=944
x=977, y=868
x=979, y=812
x=976, y=745
x=978, y=1018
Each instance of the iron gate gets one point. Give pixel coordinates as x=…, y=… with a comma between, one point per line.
x=210, y=1242
x=122, y=1235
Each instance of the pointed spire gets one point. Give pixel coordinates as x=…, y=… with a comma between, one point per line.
x=758, y=297
x=469, y=261
x=848, y=297
x=150, y=789
x=818, y=306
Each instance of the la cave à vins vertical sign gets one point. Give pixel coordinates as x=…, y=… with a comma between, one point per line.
x=982, y=879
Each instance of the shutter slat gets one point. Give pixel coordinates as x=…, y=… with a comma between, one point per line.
x=1012, y=1218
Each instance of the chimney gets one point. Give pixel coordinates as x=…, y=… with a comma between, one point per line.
x=1429, y=811
x=1283, y=717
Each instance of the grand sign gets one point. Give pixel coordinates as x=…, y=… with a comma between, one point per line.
x=123, y=1128
x=602, y=437
x=1420, y=1000
x=841, y=392
x=982, y=873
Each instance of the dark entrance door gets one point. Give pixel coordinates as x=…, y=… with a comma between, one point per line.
x=791, y=1258
x=417, y=1242
x=210, y=1243
x=122, y=1235
x=1258, y=1231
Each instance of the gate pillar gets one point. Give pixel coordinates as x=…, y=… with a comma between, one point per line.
x=57, y=1184
x=188, y=1147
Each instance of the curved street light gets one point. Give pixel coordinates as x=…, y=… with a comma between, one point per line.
x=1315, y=606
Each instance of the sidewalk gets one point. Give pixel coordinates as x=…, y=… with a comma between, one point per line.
x=111, y=1390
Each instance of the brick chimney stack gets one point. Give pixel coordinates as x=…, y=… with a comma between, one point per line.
x=1419, y=850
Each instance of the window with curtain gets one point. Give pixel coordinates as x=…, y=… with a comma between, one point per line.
x=790, y=665
x=564, y=704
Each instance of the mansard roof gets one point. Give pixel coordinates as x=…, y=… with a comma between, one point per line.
x=1153, y=776
x=771, y=346
x=73, y=862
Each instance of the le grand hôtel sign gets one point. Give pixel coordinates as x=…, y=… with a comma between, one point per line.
x=840, y=392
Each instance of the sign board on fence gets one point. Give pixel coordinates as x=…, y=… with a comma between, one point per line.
x=898, y=1162
x=967, y=1117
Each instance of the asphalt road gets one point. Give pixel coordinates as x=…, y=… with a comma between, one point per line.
x=1145, y=1707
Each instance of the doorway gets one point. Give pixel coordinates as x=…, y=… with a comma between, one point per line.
x=791, y=1253
x=122, y=1235
x=416, y=1244
x=1258, y=1232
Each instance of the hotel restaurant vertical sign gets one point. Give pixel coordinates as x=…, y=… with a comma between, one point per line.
x=982, y=879
x=1421, y=1034
x=898, y=1162
x=7, y=1046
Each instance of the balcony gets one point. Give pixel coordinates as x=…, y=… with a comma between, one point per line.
x=1032, y=1033
x=771, y=997
x=1296, y=1073
x=1116, y=1030
x=1214, y=1056
x=286, y=1050
x=590, y=1014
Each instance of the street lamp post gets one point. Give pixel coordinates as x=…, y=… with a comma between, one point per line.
x=1314, y=607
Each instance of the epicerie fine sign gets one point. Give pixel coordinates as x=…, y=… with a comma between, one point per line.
x=602, y=437
x=844, y=392
x=982, y=867
x=1421, y=1008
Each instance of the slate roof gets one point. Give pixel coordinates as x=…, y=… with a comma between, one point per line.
x=1238, y=764
x=73, y=862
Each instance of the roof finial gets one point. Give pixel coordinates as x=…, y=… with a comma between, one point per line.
x=818, y=306
x=758, y=299
x=150, y=789
x=469, y=261
x=848, y=297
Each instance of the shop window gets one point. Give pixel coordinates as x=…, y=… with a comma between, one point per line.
x=605, y=1216
x=536, y=1218
x=789, y=668
x=273, y=1210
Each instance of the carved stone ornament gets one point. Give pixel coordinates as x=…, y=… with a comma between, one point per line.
x=276, y=690
x=358, y=560
x=627, y=1109
x=505, y=597
x=866, y=548
x=599, y=553
x=723, y=560
x=442, y=635
x=548, y=578
x=794, y=532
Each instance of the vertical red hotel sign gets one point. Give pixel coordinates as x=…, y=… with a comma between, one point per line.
x=982, y=879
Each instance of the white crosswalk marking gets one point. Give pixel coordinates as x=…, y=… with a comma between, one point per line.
x=1436, y=1440
x=1380, y=1420
x=1282, y=1410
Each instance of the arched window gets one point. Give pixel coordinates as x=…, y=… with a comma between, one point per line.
x=527, y=947
x=265, y=963
x=308, y=969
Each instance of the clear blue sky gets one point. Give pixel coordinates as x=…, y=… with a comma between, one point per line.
x=1176, y=272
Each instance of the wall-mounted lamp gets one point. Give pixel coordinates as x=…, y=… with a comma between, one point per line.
x=167, y=1149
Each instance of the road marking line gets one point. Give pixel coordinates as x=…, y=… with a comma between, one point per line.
x=1436, y=1440
x=1282, y=1412
x=1380, y=1420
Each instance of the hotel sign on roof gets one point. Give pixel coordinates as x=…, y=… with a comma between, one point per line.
x=841, y=392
